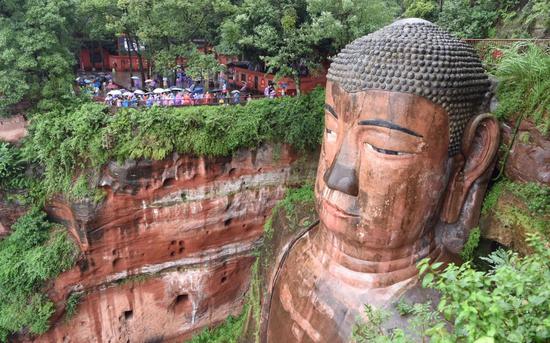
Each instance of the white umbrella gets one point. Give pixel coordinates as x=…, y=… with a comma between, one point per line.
x=166, y=90
x=158, y=90
x=135, y=78
x=148, y=80
x=127, y=93
x=139, y=91
x=176, y=89
x=115, y=92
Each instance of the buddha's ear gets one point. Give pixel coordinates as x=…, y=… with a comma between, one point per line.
x=479, y=148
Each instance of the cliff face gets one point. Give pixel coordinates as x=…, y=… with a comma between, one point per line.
x=511, y=217
x=169, y=250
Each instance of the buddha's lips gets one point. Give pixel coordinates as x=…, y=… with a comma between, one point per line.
x=334, y=210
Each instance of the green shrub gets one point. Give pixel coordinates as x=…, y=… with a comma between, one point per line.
x=35, y=252
x=228, y=332
x=372, y=330
x=73, y=142
x=509, y=303
x=72, y=304
x=524, y=87
x=11, y=166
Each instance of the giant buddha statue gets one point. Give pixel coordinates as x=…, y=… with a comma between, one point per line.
x=403, y=168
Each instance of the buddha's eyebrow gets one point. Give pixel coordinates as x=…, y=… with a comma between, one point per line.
x=389, y=125
x=331, y=110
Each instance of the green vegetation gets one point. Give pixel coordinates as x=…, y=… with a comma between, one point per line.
x=228, y=332
x=535, y=196
x=524, y=89
x=491, y=198
x=11, y=166
x=467, y=253
x=39, y=40
x=508, y=303
x=537, y=205
x=481, y=19
x=512, y=215
x=292, y=198
x=71, y=143
x=35, y=60
x=290, y=36
x=373, y=331
x=35, y=252
x=72, y=304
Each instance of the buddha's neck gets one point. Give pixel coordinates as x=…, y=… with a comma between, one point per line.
x=369, y=267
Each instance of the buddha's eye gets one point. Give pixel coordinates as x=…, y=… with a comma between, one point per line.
x=385, y=151
x=331, y=135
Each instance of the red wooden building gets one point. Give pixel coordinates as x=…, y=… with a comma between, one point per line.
x=257, y=81
x=113, y=55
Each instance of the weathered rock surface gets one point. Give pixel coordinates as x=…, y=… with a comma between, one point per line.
x=13, y=129
x=529, y=158
x=9, y=212
x=169, y=250
x=510, y=221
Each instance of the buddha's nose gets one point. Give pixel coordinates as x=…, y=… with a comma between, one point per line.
x=342, y=174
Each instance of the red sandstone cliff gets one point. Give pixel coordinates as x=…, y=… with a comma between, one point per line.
x=169, y=250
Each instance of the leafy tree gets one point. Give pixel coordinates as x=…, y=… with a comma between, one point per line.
x=203, y=66
x=35, y=57
x=94, y=17
x=464, y=20
x=291, y=37
x=170, y=28
x=336, y=23
x=425, y=9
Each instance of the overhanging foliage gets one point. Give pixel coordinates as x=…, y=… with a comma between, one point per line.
x=75, y=140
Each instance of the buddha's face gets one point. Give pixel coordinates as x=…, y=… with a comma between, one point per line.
x=383, y=166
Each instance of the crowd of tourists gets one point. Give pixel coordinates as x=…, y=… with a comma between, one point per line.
x=183, y=92
x=173, y=97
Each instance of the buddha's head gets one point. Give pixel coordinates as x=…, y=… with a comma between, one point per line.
x=404, y=139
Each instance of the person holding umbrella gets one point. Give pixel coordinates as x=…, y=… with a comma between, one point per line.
x=137, y=82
